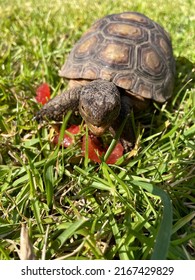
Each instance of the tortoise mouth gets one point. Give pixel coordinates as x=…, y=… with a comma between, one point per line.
x=97, y=130
x=97, y=127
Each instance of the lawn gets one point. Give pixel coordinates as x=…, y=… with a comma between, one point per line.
x=74, y=208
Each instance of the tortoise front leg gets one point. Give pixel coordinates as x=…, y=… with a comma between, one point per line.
x=56, y=108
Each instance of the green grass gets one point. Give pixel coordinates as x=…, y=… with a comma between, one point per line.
x=74, y=208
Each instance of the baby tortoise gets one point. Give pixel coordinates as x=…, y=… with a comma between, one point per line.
x=121, y=62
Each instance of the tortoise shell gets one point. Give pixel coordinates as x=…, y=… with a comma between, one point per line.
x=129, y=49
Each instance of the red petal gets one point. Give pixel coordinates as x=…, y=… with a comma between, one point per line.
x=68, y=140
x=56, y=139
x=95, y=150
x=43, y=93
x=74, y=129
x=116, y=153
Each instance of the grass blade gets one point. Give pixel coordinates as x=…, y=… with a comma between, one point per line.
x=121, y=249
x=162, y=242
x=61, y=239
x=115, y=140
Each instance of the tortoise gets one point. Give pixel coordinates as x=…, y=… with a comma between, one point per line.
x=121, y=63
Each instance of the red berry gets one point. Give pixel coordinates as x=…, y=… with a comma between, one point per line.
x=43, y=93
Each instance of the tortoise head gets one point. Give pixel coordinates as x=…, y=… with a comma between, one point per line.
x=99, y=105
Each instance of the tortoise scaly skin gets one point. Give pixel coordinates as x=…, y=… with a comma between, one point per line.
x=120, y=63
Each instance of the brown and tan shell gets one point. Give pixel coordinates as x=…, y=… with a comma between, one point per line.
x=129, y=49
